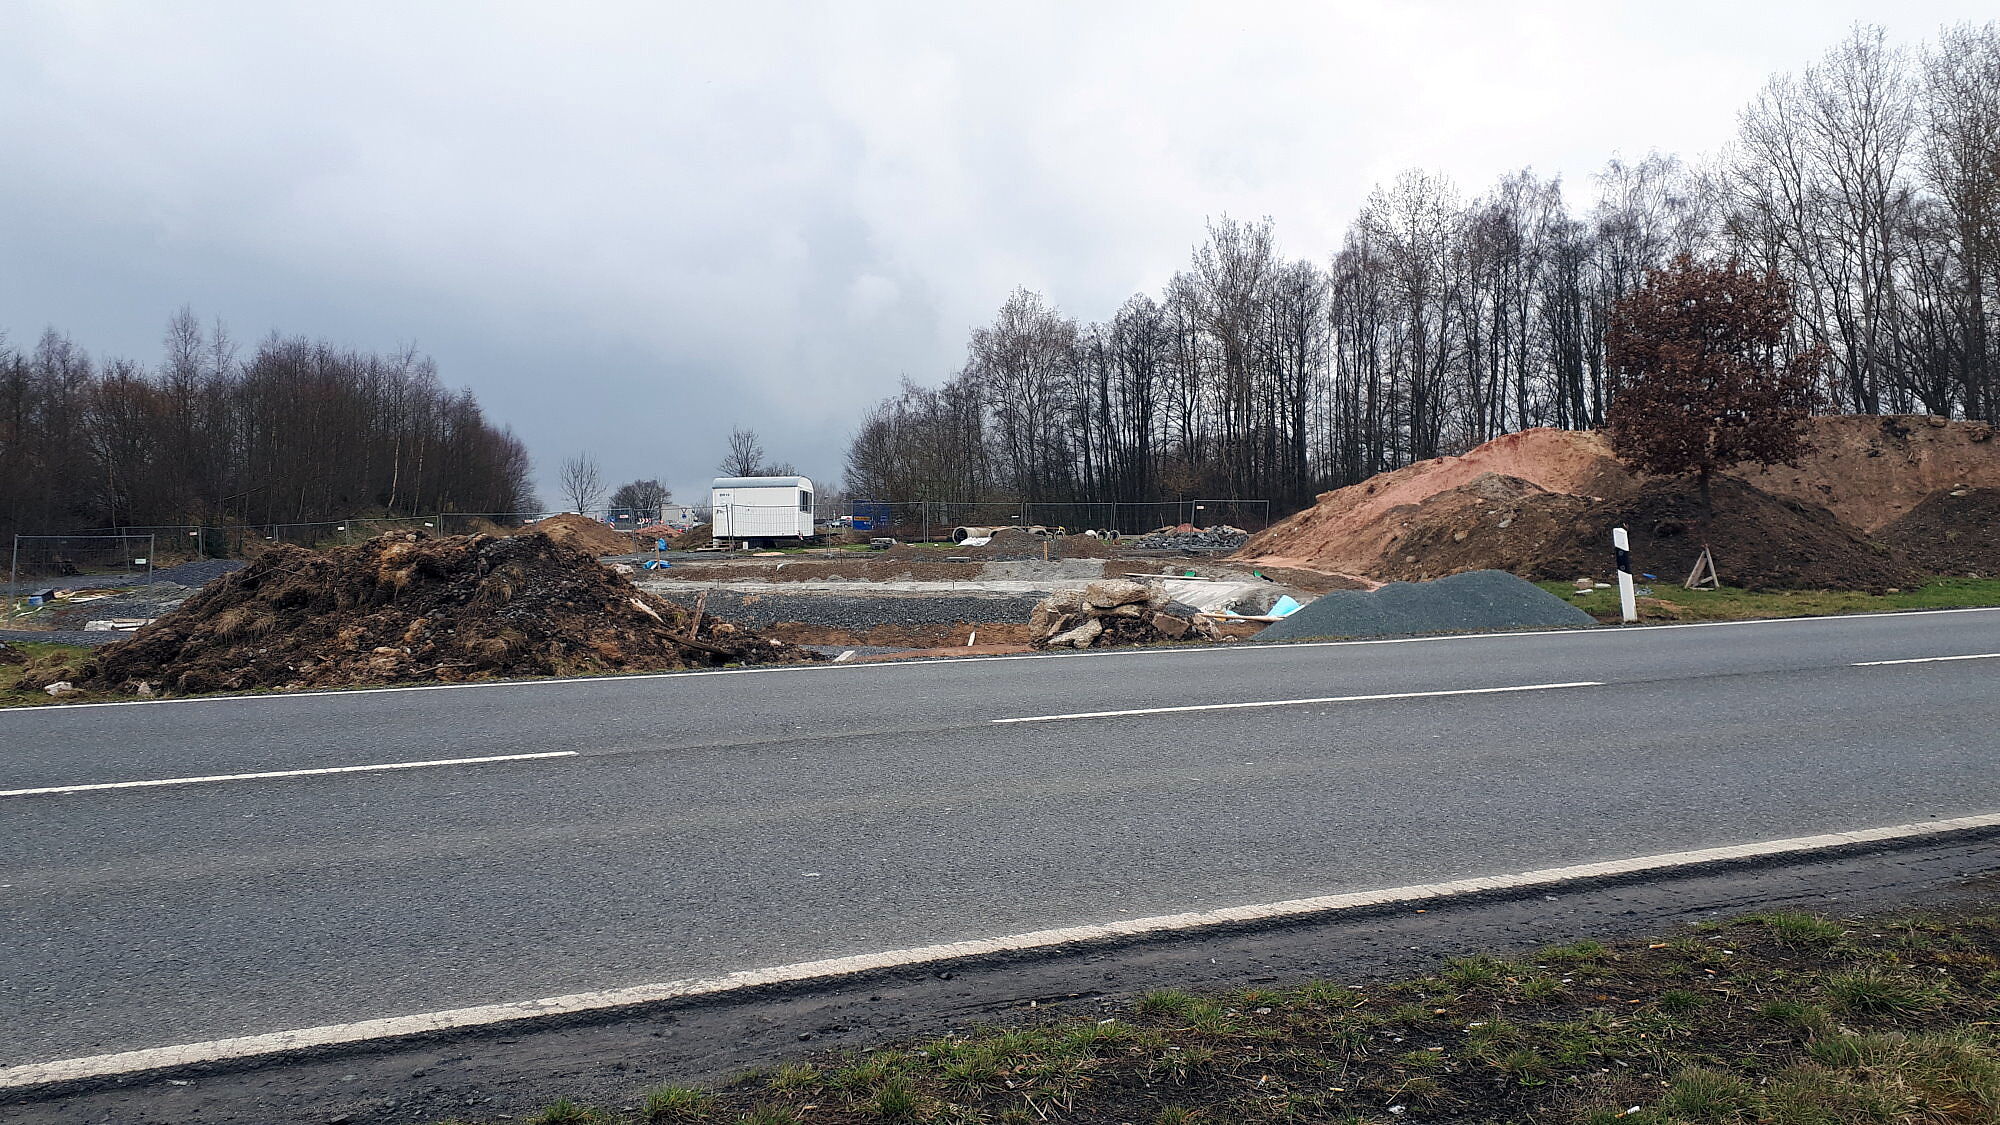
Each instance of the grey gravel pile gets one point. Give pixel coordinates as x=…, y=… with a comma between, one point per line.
x=845, y=611
x=61, y=636
x=1475, y=600
x=1219, y=538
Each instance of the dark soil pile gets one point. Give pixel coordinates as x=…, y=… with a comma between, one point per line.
x=407, y=606
x=1955, y=531
x=1758, y=541
x=693, y=539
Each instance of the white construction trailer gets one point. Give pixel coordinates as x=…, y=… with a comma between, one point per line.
x=751, y=510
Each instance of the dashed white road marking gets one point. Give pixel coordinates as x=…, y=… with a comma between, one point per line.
x=51, y=790
x=1293, y=702
x=1927, y=659
x=251, y=1046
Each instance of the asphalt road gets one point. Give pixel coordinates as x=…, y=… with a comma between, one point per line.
x=717, y=821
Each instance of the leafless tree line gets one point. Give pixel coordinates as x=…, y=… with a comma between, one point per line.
x=299, y=432
x=1871, y=180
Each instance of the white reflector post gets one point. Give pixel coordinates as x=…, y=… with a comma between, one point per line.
x=1622, y=546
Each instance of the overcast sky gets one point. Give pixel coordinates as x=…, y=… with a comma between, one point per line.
x=629, y=227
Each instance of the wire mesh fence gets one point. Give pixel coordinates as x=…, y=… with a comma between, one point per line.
x=934, y=520
x=36, y=563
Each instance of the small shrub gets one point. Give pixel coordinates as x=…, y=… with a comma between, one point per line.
x=1809, y=1019
x=1165, y=1002
x=1680, y=1001
x=1874, y=992
x=1800, y=930
x=1472, y=972
x=670, y=1105
x=562, y=1111
x=895, y=1101
x=1706, y=1096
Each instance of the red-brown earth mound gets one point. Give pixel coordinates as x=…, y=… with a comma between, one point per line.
x=1540, y=503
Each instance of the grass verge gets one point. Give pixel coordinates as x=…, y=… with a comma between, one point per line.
x=1777, y=1019
x=45, y=662
x=1669, y=602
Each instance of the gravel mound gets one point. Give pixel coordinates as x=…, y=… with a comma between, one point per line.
x=1184, y=538
x=407, y=606
x=1473, y=601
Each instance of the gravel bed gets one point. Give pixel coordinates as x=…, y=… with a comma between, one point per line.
x=199, y=573
x=847, y=611
x=1479, y=599
x=62, y=636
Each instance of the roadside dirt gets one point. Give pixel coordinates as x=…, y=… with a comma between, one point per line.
x=1956, y=532
x=407, y=606
x=610, y=1059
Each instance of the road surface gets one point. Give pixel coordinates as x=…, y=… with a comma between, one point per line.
x=651, y=828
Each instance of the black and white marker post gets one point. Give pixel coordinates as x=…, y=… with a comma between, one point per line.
x=1622, y=547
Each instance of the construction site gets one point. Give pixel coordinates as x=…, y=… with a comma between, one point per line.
x=1878, y=505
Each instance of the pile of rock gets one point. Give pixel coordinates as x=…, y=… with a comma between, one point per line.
x=1187, y=537
x=1115, y=612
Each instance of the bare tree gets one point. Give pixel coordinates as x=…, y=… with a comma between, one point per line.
x=581, y=482
x=1707, y=384
x=642, y=498
x=745, y=457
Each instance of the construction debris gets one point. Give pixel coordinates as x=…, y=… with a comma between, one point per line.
x=1115, y=612
x=408, y=606
x=1480, y=599
x=1187, y=537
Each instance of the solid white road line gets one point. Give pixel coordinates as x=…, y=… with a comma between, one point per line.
x=1293, y=702
x=54, y=789
x=1095, y=654
x=250, y=1046
x=1926, y=659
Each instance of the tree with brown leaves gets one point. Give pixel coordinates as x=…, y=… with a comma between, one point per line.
x=1706, y=382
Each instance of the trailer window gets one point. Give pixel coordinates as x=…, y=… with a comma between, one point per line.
x=805, y=501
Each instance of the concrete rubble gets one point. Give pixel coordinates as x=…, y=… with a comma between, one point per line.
x=1186, y=537
x=1115, y=612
